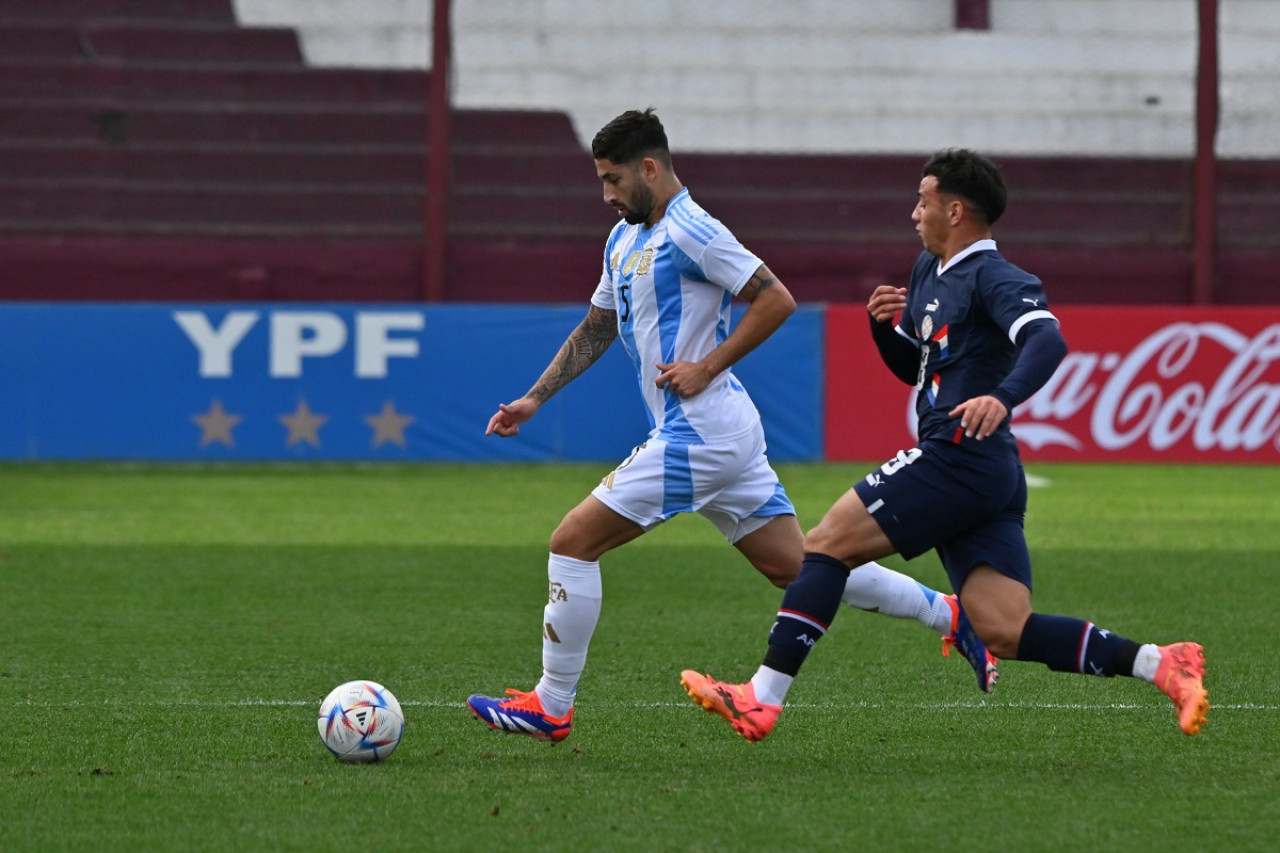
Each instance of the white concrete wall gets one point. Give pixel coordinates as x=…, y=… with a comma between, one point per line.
x=1051, y=76
x=351, y=33
x=1250, y=69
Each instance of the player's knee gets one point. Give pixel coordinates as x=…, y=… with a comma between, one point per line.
x=848, y=545
x=999, y=632
x=778, y=570
x=566, y=542
x=851, y=554
x=780, y=576
x=820, y=541
x=1002, y=644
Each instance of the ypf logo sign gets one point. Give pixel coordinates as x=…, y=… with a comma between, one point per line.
x=299, y=340
x=299, y=335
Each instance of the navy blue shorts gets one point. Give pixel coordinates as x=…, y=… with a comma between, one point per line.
x=968, y=506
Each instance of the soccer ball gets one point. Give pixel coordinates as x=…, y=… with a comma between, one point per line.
x=360, y=722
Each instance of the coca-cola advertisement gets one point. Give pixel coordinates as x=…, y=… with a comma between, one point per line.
x=1139, y=383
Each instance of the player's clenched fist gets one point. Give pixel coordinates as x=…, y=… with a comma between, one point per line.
x=886, y=301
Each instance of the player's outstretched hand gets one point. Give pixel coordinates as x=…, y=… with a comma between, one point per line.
x=506, y=421
x=886, y=301
x=980, y=416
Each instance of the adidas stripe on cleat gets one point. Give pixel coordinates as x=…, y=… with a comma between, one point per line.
x=964, y=638
x=521, y=714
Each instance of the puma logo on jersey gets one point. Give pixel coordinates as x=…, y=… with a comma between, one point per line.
x=932, y=306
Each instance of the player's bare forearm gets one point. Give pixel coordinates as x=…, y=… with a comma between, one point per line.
x=581, y=349
x=771, y=305
x=761, y=280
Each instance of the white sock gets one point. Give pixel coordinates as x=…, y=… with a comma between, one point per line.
x=1146, y=663
x=771, y=686
x=568, y=621
x=871, y=586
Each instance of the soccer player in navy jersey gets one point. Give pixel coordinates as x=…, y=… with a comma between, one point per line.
x=976, y=337
x=670, y=272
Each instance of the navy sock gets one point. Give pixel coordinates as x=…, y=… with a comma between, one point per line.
x=808, y=606
x=1068, y=644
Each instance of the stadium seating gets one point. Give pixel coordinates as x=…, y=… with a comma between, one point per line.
x=154, y=149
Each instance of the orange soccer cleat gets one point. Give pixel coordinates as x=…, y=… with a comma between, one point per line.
x=735, y=702
x=521, y=714
x=1181, y=676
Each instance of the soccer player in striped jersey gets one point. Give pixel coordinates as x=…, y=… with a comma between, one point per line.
x=976, y=338
x=670, y=272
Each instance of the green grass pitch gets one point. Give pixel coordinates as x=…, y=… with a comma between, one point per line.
x=169, y=631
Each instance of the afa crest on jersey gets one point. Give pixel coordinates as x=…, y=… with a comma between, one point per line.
x=639, y=262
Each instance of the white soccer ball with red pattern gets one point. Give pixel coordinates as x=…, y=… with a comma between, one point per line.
x=361, y=722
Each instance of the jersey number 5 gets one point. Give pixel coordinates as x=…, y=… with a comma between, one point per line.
x=624, y=292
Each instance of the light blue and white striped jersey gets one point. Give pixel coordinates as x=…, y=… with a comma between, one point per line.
x=672, y=286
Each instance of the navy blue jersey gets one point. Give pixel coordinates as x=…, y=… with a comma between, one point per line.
x=965, y=322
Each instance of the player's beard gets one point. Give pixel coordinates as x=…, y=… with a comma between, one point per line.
x=642, y=204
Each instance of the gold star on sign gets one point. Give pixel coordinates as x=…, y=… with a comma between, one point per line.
x=388, y=425
x=304, y=425
x=216, y=425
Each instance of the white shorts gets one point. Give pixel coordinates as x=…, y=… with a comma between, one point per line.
x=731, y=485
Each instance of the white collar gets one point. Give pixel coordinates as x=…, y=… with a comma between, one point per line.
x=979, y=246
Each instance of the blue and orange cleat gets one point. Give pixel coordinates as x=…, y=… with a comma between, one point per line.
x=964, y=638
x=521, y=714
x=1181, y=676
x=735, y=702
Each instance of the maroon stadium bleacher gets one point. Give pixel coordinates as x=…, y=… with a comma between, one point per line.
x=154, y=149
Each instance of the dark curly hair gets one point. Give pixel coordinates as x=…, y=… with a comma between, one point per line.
x=632, y=136
x=972, y=177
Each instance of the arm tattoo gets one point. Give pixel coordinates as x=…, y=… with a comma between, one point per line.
x=761, y=280
x=581, y=349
